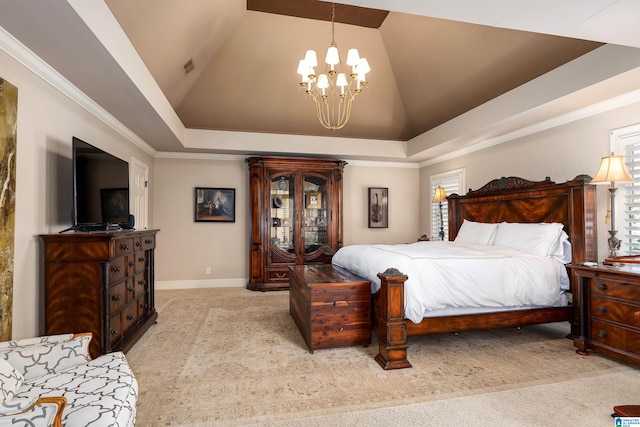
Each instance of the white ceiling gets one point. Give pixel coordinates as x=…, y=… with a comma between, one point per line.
x=86, y=44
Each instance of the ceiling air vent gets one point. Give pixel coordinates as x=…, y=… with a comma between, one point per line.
x=188, y=66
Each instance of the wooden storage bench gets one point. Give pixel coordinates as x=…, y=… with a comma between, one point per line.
x=331, y=306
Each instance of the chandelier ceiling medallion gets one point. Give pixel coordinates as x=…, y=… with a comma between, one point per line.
x=333, y=93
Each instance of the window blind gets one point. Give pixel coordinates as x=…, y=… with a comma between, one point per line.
x=630, y=233
x=452, y=182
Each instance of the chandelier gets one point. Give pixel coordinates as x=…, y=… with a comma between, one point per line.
x=333, y=92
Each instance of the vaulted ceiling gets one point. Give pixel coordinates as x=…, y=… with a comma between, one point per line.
x=425, y=71
x=434, y=63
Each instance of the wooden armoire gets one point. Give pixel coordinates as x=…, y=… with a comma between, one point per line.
x=296, y=216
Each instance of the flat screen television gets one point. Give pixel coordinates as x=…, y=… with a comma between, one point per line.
x=100, y=189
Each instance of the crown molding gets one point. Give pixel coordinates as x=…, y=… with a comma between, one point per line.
x=16, y=50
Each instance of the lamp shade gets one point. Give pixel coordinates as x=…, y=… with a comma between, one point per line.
x=612, y=169
x=439, y=195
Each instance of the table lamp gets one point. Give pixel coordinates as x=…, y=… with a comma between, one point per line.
x=612, y=170
x=439, y=196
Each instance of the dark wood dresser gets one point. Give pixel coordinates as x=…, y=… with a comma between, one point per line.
x=101, y=283
x=609, y=307
x=330, y=305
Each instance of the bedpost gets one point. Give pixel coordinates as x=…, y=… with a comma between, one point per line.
x=389, y=323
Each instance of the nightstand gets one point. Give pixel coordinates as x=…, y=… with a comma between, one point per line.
x=609, y=311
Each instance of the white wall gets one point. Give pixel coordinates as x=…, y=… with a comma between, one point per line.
x=560, y=153
x=47, y=121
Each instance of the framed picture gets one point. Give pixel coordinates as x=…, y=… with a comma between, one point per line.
x=313, y=200
x=215, y=204
x=378, y=207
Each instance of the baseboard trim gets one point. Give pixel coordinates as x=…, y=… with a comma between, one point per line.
x=200, y=284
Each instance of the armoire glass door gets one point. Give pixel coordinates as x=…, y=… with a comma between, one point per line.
x=283, y=211
x=315, y=219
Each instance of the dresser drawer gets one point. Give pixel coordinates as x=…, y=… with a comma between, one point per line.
x=140, y=260
x=615, y=311
x=147, y=242
x=140, y=283
x=278, y=275
x=615, y=336
x=117, y=297
x=117, y=269
x=123, y=246
x=129, y=317
x=601, y=286
x=338, y=294
x=130, y=289
x=115, y=328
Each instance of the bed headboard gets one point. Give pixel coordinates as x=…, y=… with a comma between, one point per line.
x=512, y=199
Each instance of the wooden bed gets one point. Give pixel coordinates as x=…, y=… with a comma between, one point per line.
x=512, y=199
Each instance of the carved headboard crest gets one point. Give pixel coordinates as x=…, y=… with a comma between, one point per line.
x=510, y=183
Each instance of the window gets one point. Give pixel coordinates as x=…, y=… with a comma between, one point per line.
x=452, y=182
x=626, y=142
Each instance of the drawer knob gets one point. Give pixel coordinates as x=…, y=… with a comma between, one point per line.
x=141, y=259
x=602, y=287
x=131, y=263
x=114, y=332
x=116, y=269
x=602, y=333
x=138, y=244
x=131, y=289
x=129, y=317
x=124, y=247
x=148, y=241
x=116, y=297
x=341, y=303
x=281, y=276
x=142, y=282
x=636, y=314
x=602, y=309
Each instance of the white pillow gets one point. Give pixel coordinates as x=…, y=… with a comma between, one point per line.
x=10, y=381
x=537, y=239
x=476, y=232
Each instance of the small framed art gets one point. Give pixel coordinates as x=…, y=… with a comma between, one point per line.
x=313, y=200
x=378, y=207
x=215, y=204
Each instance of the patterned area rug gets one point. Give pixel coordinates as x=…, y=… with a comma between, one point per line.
x=235, y=357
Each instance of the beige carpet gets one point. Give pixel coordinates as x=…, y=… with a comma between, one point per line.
x=233, y=357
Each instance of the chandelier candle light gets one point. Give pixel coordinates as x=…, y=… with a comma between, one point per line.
x=333, y=93
x=612, y=169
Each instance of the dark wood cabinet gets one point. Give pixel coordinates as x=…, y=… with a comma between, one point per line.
x=296, y=216
x=101, y=283
x=609, y=309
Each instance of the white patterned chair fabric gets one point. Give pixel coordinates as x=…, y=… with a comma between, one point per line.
x=99, y=392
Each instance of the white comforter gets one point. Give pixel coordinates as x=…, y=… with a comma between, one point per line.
x=442, y=275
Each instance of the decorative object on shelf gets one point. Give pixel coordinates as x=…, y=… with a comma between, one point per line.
x=612, y=170
x=378, y=207
x=439, y=196
x=276, y=202
x=313, y=200
x=333, y=92
x=215, y=204
x=283, y=184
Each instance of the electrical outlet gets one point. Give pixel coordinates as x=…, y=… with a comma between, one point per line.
x=207, y=270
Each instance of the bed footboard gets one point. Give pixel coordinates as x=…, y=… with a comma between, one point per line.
x=388, y=320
